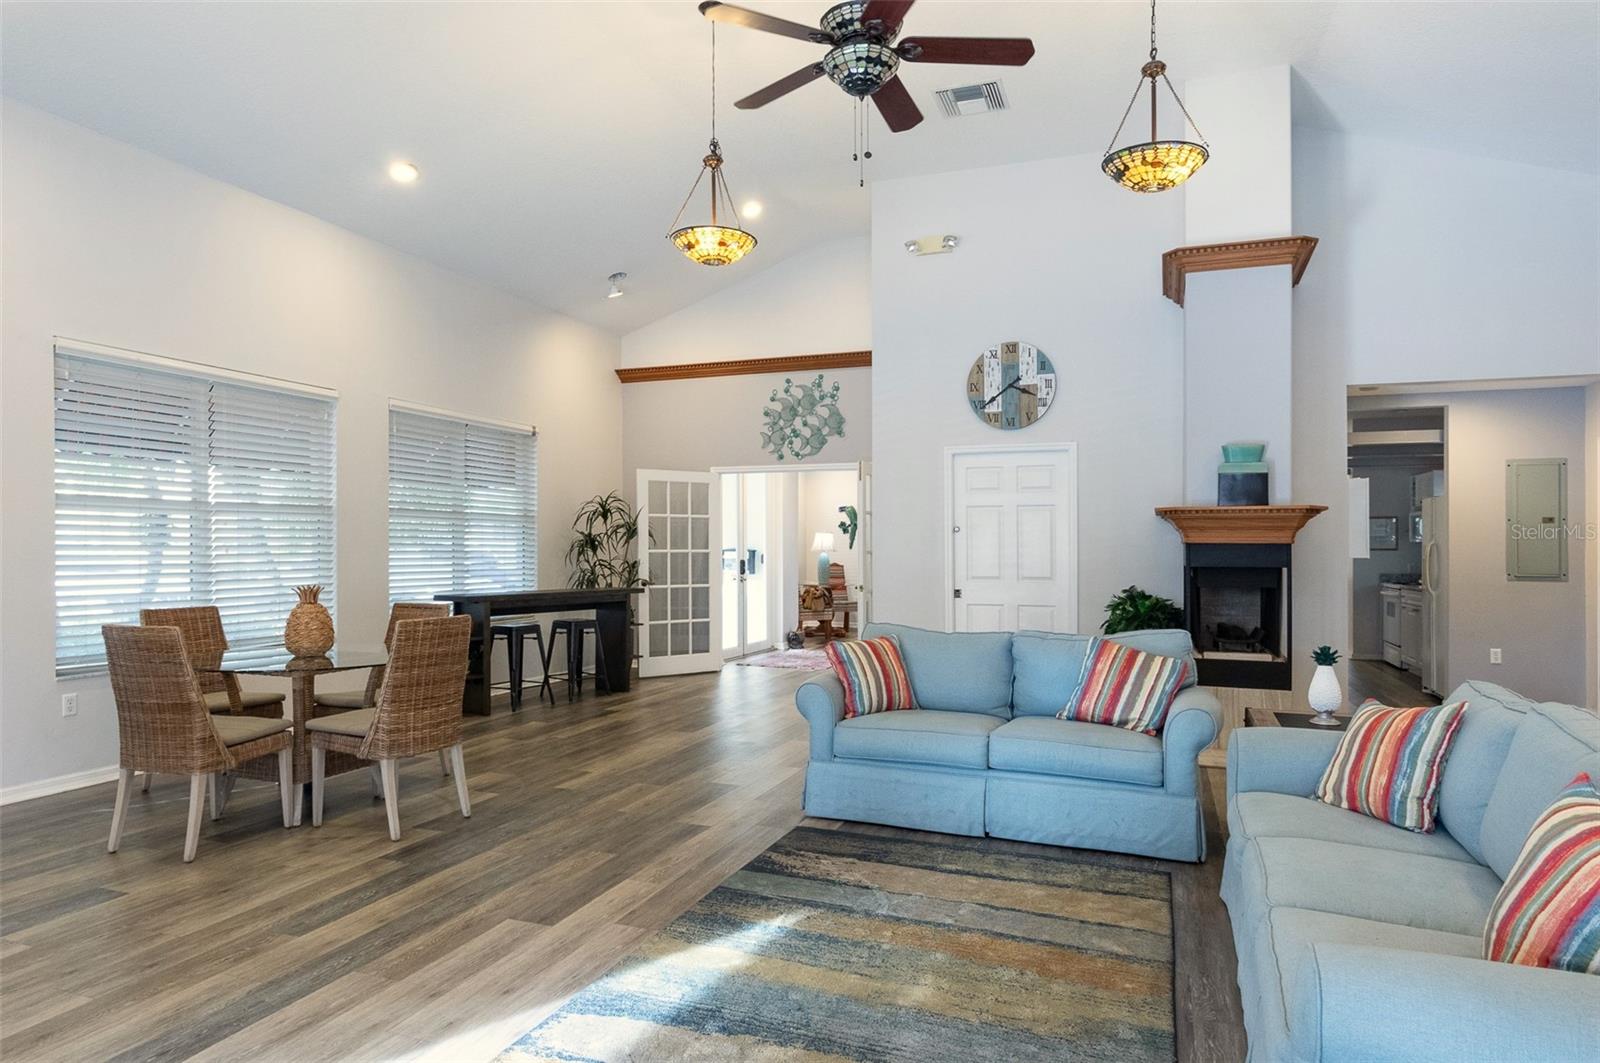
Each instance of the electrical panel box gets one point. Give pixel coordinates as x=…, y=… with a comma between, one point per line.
x=1536, y=519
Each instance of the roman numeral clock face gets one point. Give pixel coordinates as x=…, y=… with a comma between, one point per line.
x=1011, y=386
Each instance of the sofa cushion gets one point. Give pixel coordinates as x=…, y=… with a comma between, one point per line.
x=1262, y=814
x=1549, y=748
x=1123, y=686
x=1476, y=754
x=1292, y=933
x=1047, y=746
x=1548, y=911
x=960, y=671
x=1430, y=892
x=1048, y=666
x=873, y=675
x=917, y=736
x=1389, y=763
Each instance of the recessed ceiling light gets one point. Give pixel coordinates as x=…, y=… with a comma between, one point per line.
x=752, y=208
x=616, y=280
x=403, y=172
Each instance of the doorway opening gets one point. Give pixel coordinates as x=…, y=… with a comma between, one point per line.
x=793, y=557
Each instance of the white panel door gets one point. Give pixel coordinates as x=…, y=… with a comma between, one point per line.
x=1013, y=540
x=680, y=607
x=864, y=537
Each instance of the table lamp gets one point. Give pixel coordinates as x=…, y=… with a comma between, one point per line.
x=822, y=542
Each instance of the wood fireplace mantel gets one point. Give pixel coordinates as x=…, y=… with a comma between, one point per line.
x=1238, y=524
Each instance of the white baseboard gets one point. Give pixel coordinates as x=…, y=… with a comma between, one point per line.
x=60, y=784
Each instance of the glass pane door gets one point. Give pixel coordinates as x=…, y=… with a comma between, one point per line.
x=678, y=612
x=747, y=592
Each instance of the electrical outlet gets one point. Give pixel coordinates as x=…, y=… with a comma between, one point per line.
x=1494, y=656
x=69, y=705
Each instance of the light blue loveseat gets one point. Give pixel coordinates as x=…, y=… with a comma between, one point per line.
x=984, y=754
x=1359, y=941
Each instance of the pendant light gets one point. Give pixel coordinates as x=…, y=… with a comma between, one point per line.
x=714, y=244
x=1156, y=165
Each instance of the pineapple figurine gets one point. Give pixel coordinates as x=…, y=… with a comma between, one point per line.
x=309, y=632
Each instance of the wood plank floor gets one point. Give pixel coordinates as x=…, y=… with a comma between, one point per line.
x=1386, y=683
x=594, y=824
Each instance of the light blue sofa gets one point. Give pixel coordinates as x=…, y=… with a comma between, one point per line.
x=984, y=754
x=1359, y=941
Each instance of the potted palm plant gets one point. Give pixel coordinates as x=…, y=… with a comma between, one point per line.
x=602, y=549
x=1137, y=610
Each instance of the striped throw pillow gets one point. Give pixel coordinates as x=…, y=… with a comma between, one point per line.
x=873, y=674
x=1389, y=763
x=1125, y=687
x=1548, y=910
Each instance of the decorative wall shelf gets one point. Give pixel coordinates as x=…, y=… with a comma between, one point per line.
x=1293, y=251
x=794, y=363
x=1238, y=524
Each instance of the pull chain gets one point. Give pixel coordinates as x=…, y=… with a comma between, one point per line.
x=714, y=79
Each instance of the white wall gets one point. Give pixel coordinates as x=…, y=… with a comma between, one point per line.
x=1435, y=266
x=814, y=302
x=1053, y=254
x=1246, y=192
x=109, y=244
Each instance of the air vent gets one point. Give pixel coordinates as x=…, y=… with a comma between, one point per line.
x=972, y=99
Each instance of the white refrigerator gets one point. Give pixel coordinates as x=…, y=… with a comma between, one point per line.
x=1433, y=575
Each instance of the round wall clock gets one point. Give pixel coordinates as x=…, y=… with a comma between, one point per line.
x=1011, y=386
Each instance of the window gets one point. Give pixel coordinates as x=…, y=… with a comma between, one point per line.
x=463, y=503
x=180, y=488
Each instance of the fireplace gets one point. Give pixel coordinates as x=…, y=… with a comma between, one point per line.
x=1236, y=607
x=1236, y=569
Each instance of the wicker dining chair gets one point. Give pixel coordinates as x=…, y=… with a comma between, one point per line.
x=344, y=701
x=205, y=642
x=163, y=726
x=418, y=712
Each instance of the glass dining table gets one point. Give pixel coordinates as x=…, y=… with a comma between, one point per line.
x=302, y=673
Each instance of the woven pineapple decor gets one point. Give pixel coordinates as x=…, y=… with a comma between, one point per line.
x=309, y=632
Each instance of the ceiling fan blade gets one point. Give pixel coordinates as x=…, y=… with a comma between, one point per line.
x=896, y=105
x=890, y=12
x=755, y=20
x=782, y=87
x=988, y=51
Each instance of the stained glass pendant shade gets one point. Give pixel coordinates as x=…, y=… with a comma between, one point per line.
x=713, y=244
x=1155, y=165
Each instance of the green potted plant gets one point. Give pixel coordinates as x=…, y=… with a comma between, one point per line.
x=1324, y=695
x=602, y=549
x=1137, y=610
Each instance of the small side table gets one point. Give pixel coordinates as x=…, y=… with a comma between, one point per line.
x=1254, y=717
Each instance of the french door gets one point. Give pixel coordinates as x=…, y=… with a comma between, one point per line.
x=748, y=590
x=679, y=610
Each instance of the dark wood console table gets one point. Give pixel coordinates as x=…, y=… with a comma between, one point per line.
x=610, y=611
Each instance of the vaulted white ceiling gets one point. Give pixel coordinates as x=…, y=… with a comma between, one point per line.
x=556, y=140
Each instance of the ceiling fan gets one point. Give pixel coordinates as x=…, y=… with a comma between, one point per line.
x=863, y=58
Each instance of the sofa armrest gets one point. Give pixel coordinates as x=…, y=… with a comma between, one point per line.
x=821, y=702
x=1361, y=1003
x=1280, y=760
x=1193, y=721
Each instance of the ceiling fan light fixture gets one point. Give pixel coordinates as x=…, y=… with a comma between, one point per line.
x=1155, y=165
x=861, y=67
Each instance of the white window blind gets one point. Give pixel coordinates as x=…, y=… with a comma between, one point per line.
x=174, y=488
x=463, y=506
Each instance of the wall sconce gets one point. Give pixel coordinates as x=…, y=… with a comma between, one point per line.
x=932, y=245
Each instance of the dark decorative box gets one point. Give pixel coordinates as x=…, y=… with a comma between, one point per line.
x=1241, y=488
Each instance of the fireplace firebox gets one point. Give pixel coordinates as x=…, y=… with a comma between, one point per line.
x=1236, y=608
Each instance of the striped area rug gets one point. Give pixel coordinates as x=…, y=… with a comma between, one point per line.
x=833, y=945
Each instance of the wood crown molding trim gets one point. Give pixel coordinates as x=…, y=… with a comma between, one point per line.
x=1176, y=264
x=794, y=363
x=1238, y=524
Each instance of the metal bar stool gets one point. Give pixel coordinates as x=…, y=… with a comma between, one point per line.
x=516, y=632
x=574, y=631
